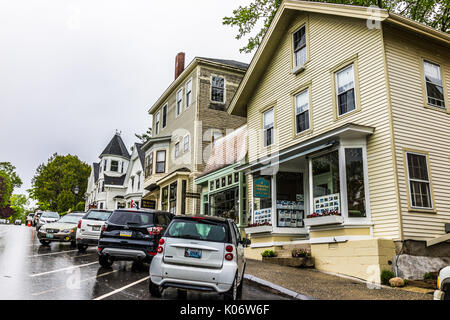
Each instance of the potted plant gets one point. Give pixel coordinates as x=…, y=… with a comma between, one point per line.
x=300, y=253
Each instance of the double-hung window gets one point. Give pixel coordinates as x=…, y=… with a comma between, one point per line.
x=434, y=86
x=302, y=111
x=419, y=180
x=157, y=123
x=186, y=143
x=218, y=89
x=268, y=127
x=114, y=165
x=149, y=165
x=345, y=88
x=160, y=161
x=177, y=149
x=299, y=42
x=164, y=116
x=188, y=93
x=216, y=135
x=179, y=101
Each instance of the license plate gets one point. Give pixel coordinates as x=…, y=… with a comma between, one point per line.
x=126, y=233
x=96, y=228
x=193, y=253
x=49, y=236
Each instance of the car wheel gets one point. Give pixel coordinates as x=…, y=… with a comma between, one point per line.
x=105, y=261
x=82, y=248
x=45, y=243
x=232, y=294
x=155, y=290
x=241, y=285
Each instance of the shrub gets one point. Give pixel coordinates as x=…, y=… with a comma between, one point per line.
x=300, y=253
x=427, y=276
x=386, y=275
x=268, y=253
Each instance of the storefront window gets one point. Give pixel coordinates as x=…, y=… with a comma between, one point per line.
x=225, y=203
x=290, y=199
x=262, y=199
x=164, y=198
x=325, y=174
x=173, y=197
x=356, y=200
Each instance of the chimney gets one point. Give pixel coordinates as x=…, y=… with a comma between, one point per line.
x=179, y=64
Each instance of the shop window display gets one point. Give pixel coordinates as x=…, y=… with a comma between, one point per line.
x=325, y=171
x=290, y=199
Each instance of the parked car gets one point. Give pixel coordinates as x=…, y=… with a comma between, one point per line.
x=89, y=228
x=2, y=221
x=200, y=253
x=64, y=230
x=29, y=218
x=47, y=217
x=18, y=222
x=131, y=235
x=36, y=217
x=443, y=285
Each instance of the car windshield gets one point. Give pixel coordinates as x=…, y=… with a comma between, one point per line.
x=50, y=215
x=70, y=219
x=199, y=230
x=131, y=217
x=97, y=215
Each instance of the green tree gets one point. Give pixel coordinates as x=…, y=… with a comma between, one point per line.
x=145, y=136
x=6, y=189
x=54, y=183
x=18, y=203
x=10, y=170
x=434, y=13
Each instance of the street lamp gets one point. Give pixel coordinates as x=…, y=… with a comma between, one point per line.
x=75, y=190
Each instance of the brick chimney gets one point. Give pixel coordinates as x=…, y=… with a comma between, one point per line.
x=179, y=64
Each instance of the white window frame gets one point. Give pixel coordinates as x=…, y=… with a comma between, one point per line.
x=418, y=180
x=224, y=89
x=307, y=110
x=188, y=93
x=266, y=129
x=177, y=149
x=294, y=52
x=424, y=61
x=179, y=102
x=213, y=136
x=157, y=120
x=351, y=65
x=162, y=116
x=186, y=141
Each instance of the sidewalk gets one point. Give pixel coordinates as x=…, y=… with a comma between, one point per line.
x=310, y=283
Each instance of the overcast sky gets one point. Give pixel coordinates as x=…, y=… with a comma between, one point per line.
x=72, y=72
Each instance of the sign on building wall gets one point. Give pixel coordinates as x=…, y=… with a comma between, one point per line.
x=149, y=204
x=261, y=188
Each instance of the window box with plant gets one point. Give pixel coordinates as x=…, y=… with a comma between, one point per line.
x=327, y=217
x=258, y=228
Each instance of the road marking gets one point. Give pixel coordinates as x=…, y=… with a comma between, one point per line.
x=48, y=254
x=121, y=289
x=62, y=287
x=63, y=269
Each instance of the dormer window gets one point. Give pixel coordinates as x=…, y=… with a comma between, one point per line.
x=299, y=47
x=114, y=165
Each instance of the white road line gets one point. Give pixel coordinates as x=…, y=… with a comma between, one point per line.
x=63, y=269
x=49, y=254
x=121, y=289
x=62, y=287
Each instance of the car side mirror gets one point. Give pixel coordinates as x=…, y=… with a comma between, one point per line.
x=246, y=242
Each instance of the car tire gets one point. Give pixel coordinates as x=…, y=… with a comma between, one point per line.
x=82, y=248
x=241, y=285
x=232, y=294
x=155, y=290
x=45, y=243
x=105, y=261
x=446, y=293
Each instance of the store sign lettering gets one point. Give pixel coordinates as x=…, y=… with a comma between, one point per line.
x=261, y=188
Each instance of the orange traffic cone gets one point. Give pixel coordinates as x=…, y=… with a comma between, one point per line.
x=29, y=223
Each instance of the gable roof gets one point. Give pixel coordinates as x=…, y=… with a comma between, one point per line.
x=282, y=18
x=116, y=147
x=96, y=167
x=141, y=153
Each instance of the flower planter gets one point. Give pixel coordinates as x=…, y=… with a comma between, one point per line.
x=258, y=229
x=325, y=220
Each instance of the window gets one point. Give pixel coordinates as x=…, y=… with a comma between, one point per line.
x=177, y=149
x=211, y=185
x=236, y=177
x=161, y=161
x=268, y=127
x=356, y=200
x=218, y=89
x=217, y=184
x=121, y=170
x=230, y=179
x=114, y=165
x=186, y=143
x=103, y=186
x=299, y=41
x=419, y=182
x=215, y=136
x=139, y=183
x=188, y=93
x=302, y=111
x=173, y=198
x=179, y=101
x=132, y=183
x=345, y=83
x=157, y=123
x=325, y=172
x=164, y=116
x=223, y=182
x=105, y=164
x=149, y=165
x=433, y=82
x=164, y=198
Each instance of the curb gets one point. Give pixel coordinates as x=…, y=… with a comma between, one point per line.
x=276, y=287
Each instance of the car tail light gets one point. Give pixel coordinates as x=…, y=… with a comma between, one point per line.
x=79, y=224
x=104, y=227
x=154, y=230
x=229, y=256
x=99, y=249
x=161, y=241
x=159, y=249
x=152, y=253
x=229, y=248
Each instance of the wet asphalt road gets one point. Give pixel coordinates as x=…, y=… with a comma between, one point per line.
x=31, y=271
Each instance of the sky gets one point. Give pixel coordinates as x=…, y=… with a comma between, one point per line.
x=72, y=72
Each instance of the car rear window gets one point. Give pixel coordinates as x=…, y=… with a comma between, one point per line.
x=129, y=217
x=97, y=215
x=199, y=230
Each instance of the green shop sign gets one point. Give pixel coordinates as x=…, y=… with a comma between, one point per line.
x=261, y=188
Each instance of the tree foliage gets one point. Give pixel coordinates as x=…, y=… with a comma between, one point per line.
x=10, y=170
x=434, y=13
x=145, y=136
x=18, y=204
x=53, y=185
x=6, y=189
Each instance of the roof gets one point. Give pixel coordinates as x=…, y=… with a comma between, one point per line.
x=140, y=153
x=282, y=18
x=116, y=147
x=227, y=150
x=96, y=167
x=117, y=181
x=232, y=63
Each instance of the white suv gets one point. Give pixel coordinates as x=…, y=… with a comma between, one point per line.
x=89, y=228
x=47, y=217
x=200, y=253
